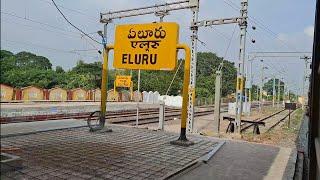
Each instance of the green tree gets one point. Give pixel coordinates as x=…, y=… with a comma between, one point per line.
x=27, y=77
x=25, y=68
x=27, y=60
x=7, y=62
x=59, y=70
x=5, y=53
x=268, y=87
x=255, y=92
x=160, y=80
x=90, y=73
x=207, y=64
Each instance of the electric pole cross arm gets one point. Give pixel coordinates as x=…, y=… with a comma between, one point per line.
x=158, y=9
x=242, y=21
x=213, y=22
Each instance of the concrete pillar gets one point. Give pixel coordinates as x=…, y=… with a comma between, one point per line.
x=217, y=101
x=161, y=115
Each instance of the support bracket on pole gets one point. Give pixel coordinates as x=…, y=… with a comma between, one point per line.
x=104, y=81
x=183, y=141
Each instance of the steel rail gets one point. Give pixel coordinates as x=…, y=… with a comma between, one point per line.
x=261, y=120
x=110, y=115
x=278, y=122
x=149, y=120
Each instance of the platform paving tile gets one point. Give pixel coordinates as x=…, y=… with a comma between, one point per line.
x=125, y=153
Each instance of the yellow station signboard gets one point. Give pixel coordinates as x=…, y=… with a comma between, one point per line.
x=146, y=46
x=123, y=81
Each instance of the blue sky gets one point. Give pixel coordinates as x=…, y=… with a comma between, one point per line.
x=36, y=26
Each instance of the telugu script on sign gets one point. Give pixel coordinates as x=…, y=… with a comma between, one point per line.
x=143, y=35
x=123, y=81
x=146, y=46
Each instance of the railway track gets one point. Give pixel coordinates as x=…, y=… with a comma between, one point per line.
x=271, y=126
x=146, y=116
x=271, y=121
x=170, y=116
x=155, y=118
x=110, y=115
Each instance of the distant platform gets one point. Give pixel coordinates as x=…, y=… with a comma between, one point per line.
x=12, y=110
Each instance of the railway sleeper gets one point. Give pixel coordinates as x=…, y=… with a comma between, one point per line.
x=231, y=127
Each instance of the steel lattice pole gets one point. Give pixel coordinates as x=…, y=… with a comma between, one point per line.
x=240, y=73
x=194, y=38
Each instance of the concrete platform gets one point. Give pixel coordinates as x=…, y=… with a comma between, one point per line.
x=132, y=153
x=241, y=160
x=125, y=153
x=12, y=110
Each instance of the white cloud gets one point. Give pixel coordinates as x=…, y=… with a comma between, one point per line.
x=309, y=31
x=283, y=36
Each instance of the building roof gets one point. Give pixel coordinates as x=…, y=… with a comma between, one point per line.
x=78, y=89
x=57, y=88
x=31, y=87
x=6, y=85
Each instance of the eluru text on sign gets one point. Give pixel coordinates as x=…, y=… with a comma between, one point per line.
x=146, y=46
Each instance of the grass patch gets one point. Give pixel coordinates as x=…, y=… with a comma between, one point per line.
x=284, y=136
x=295, y=122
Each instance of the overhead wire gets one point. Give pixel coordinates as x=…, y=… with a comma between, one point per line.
x=229, y=44
x=72, y=10
x=82, y=50
x=68, y=33
x=226, y=51
x=76, y=52
x=84, y=33
x=281, y=72
x=43, y=29
x=174, y=76
x=275, y=69
x=256, y=45
x=220, y=33
x=37, y=45
x=35, y=21
x=50, y=2
x=215, y=30
x=260, y=24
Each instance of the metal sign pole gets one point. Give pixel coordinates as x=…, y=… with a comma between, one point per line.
x=137, y=116
x=104, y=83
x=183, y=141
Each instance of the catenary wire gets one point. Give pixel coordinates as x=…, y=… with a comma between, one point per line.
x=73, y=24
